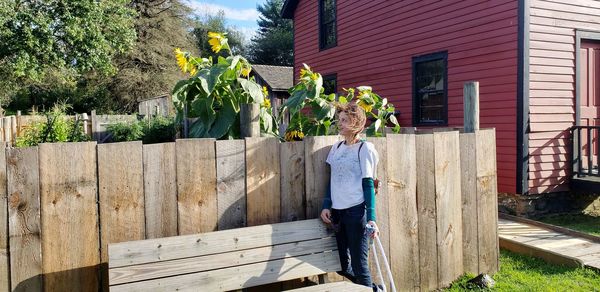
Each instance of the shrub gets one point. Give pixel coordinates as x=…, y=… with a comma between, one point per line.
x=58, y=127
x=157, y=130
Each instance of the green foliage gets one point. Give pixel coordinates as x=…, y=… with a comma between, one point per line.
x=216, y=89
x=159, y=130
x=524, y=273
x=308, y=94
x=58, y=127
x=126, y=131
x=209, y=23
x=44, y=43
x=274, y=42
x=155, y=130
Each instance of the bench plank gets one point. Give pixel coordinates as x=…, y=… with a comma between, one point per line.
x=170, y=248
x=218, y=261
x=335, y=287
x=242, y=276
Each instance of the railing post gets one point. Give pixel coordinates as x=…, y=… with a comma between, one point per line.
x=590, y=150
x=579, y=162
x=471, y=106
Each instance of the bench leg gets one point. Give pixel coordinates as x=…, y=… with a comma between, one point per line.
x=323, y=279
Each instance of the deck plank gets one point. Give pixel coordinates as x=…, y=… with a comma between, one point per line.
x=526, y=238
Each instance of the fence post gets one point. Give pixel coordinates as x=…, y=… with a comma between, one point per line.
x=7, y=129
x=249, y=120
x=471, y=106
x=94, y=129
x=84, y=119
x=19, y=124
x=13, y=128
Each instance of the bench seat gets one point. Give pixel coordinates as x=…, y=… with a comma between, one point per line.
x=224, y=260
x=334, y=287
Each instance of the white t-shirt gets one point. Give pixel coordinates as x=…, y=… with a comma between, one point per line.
x=347, y=174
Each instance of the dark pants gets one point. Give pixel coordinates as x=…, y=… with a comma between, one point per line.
x=353, y=243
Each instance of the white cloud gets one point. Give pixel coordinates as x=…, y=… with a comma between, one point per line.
x=203, y=8
x=248, y=32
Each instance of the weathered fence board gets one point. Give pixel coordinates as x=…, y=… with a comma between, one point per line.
x=292, y=181
x=196, y=186
x=468, y=168
x=121, y=193
x=4, y=259
x=160, y=190
x=402, y=184
x=263, y=181
x=448, y=204
x=317, y=172
x=24, y=219
x=487, y=191
x=428, y=257
x=231, y=183
x=70, y=235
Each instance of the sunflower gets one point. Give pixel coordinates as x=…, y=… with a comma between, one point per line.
x=294, y=135
x=367, y=107
x=217, y=41
x=265, y=91
x=181, y=60
x=246, y=71
x=266, y=103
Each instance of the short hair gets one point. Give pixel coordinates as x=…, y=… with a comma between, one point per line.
x=355, y=113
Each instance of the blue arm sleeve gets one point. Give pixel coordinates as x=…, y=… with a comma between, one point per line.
x=327, y=200
x=369, y=193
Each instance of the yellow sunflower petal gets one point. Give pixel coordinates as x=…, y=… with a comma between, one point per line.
x=245, y=71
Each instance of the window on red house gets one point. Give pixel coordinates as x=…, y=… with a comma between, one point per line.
x=430, y=89
x=327, y=24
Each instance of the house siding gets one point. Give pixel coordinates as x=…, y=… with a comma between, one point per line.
x=377, y=40
x=552, y=87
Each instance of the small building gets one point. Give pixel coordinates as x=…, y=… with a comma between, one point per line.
x=160, y=105
x=537, y=63
x=277, y=79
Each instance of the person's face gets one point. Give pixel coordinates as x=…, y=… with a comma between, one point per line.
x=344, y=124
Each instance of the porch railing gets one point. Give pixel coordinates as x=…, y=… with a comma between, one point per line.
x=586, y=150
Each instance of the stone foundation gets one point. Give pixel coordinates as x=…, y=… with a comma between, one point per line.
x=532, y=206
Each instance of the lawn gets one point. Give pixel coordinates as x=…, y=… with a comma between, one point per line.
x=580, y=222
x=523, y=273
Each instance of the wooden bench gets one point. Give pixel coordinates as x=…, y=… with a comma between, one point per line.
x=227, y=260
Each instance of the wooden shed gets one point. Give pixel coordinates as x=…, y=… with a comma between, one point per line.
x=537, y=63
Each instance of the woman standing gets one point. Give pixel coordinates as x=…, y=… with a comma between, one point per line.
x=350, y=200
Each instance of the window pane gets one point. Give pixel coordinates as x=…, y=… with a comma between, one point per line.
x=328, y=13
x=430, y=90
x=328, y=36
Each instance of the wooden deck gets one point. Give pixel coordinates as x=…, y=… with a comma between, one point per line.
x=551, y=243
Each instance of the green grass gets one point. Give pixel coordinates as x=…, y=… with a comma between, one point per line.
x=523, y=273
x=580, y=222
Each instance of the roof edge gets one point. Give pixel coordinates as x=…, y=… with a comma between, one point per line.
x=287, y=11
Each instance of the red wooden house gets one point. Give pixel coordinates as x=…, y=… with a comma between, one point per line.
x=537, y=63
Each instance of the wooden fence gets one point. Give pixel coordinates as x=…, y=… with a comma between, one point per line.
x=63, y=203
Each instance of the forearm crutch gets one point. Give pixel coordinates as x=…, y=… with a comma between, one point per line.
x=370, y=231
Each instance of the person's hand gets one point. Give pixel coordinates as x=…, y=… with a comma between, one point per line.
x=326, y=216
x=376, y=233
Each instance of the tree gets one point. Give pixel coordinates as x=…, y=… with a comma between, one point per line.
x=148, y=69
x=274, y=43
x=216, y=23
x=48, y=43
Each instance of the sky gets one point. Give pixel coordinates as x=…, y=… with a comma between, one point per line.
x=239, y=13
